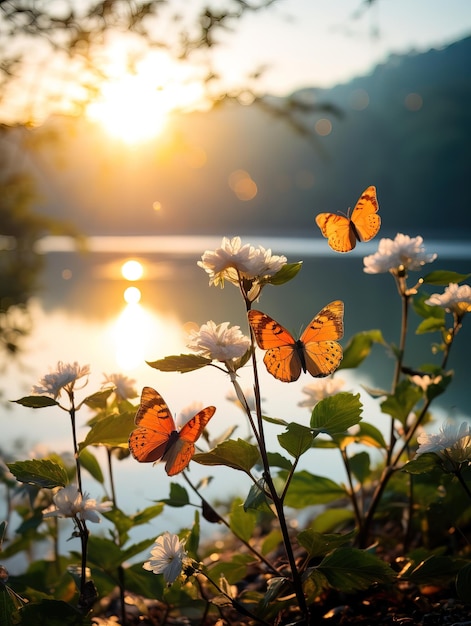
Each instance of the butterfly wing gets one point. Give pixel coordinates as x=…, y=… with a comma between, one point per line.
x=322, y=354
x=366, y=222
x=181, y=450
x=338, y=230
x=149, y=441
x=282, y=358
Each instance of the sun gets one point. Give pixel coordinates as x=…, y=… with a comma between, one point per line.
x=134, y=106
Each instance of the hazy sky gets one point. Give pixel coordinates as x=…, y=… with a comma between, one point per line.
x=322, y=43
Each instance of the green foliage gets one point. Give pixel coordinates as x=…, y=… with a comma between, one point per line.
x=359, y=347
x=443, y=277
x=285, y=274
x=353, y=570
x=36, y=402
x=306, y=489
x=296, y=440
x=110, y=430
x=400, y=404
x=40, y=473
x=237, y=454
x=335, y=414
x=180, y=363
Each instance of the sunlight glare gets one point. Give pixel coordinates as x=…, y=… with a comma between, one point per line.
x=132, y=270
x=131, y=334
x=134, y=106
x=132, y=295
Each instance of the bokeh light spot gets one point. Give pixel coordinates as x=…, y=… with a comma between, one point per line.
x=413, y=102
x=242, y=184
x=323, y=127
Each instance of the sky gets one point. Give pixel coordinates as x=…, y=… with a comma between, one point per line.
x=321, y=43
x=299, y=43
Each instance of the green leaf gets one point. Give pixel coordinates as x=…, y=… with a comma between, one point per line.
x=359, y=347
x=112, y=430
x=360, y=466
x=275, y=459
x=350, y=570
x=180, y=363
x=90, y=463
x=36, y=402
x=52, y=613
x=444, y=277
x=296, y=440
x=463, y=583
x=275, y=420
x=306, y=489
x=319, y=544
x=336, y=414
x=147, y=514
x=285, y=274
x=192, y=538
x=430, y=325
x=242, y=522
x=436, y=389
x=427, y=310
x=435, y=569
x=257, y=498
x=400, y=405
x=423, y=464
x=39, y=472
x=369, y=435
x=237, y=454
x=178, y=496
x=332, y=519
x=98, y=400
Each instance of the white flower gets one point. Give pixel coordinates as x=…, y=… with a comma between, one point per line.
x=124, y=386
x=64, y=378
x=234, y=261
x=455, y=299
x=322, y=388
x=218, y=342
x=69, y=502
x=167, y=557
x=451, y=443
x=402, y=252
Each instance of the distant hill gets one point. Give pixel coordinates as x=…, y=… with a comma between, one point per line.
x=405, y=128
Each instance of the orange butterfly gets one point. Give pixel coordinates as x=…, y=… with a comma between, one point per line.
x=315, y=352
x=342, y=231
x=157, y=438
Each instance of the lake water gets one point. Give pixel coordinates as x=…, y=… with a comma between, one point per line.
x=81, y=316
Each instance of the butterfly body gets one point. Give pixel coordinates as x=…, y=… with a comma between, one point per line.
x=316, y=351
x=156, y=437
x=343, y=231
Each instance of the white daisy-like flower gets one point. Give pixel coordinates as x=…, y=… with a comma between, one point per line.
x=69, y=502
x=64, y=377
x=452, y=442
x=322, y=388
x=124, y=386
x=234, y=261
x=218, y=342
x=455, y=299
x=394, y=254
x=167, y=557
